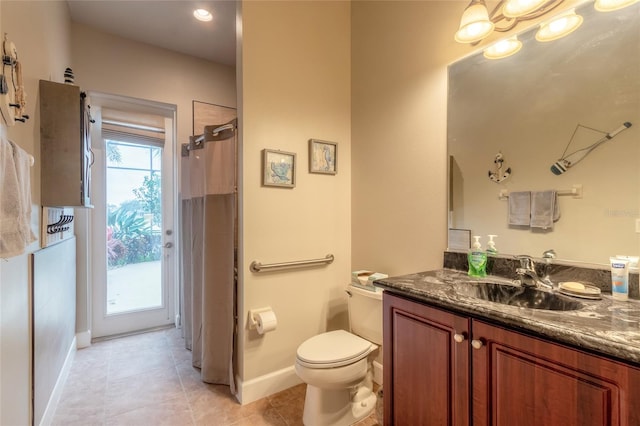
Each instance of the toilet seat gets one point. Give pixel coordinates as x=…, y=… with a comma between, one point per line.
x=333, y=349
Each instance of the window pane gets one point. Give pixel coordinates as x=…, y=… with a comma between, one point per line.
x=134, y=218
x=156, y=155
x=128, y=156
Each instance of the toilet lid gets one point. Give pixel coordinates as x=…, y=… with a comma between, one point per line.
x=334, y=348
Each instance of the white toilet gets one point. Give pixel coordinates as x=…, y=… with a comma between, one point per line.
x=337, y=365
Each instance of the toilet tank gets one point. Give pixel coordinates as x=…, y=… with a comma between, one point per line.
x=365, y=313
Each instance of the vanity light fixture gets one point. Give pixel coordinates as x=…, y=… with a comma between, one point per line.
x=202, y=15
x=475, y=24
x=560, y=26
x=611, y=5
x=503, y=48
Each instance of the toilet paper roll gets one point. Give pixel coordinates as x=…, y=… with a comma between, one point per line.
x=266, y=321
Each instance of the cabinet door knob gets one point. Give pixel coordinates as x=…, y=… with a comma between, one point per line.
x=459, y=337
x=477, y=344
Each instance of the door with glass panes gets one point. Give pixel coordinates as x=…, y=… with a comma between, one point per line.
x=134, y=261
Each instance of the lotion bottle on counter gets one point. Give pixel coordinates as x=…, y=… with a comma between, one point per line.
x=477, y=259
x=619, y=278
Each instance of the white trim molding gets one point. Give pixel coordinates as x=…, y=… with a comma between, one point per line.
x=268, y=384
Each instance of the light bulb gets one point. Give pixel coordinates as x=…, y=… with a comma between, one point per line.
x=610, y=5
x=202, y=15
x=503, y=48
x=474, y=24
x=559, y=26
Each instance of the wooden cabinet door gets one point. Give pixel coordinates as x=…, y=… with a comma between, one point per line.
x=64, y=146
x=524, y=381
x=426, y=371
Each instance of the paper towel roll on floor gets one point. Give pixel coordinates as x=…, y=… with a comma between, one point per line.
x=266, y=321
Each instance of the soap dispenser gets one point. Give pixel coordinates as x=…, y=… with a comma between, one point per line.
x=491, y=245
x=477, y=259
x=492, y=253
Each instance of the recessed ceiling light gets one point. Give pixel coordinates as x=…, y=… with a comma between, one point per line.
x=202, y=15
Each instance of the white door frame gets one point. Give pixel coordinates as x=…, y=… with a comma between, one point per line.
x=103, y=325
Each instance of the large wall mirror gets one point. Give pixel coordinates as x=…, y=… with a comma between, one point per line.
x=528, y=107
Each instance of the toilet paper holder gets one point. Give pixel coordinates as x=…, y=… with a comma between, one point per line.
x=253, y=313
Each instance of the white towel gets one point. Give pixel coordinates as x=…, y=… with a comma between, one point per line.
x=520, y=208
x=544, y=209
x=15, y=199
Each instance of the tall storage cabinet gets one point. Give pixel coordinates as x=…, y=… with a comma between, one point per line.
x=65, y=147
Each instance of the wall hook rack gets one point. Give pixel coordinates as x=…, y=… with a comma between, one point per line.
x=59, y=226
x=12, y=95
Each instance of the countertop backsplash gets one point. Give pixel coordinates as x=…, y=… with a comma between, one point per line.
x=505, y=266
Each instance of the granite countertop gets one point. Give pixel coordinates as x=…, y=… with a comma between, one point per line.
x=603, y=326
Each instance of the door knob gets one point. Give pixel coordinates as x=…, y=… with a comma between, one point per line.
x=477, y=344
x=168, y=245
x=459, y=337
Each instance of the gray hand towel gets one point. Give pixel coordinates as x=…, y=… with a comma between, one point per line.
x=544, y=209
x=520, y=208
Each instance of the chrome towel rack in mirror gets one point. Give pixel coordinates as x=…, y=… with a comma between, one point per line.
x=575, y=192
x=259, y=267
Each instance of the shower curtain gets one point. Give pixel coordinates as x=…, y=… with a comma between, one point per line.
x=208, y=192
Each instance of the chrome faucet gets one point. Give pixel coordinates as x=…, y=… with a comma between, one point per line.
x=528, y=276
x=548, y=256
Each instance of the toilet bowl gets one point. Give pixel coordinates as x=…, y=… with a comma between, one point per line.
x=337, y=365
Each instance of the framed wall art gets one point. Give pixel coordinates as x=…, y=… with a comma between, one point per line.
x=278, y=168
x=323, y=157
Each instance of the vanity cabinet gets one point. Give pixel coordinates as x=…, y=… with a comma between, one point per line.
x=65, y=148
x=426, y=365
x=442, y=368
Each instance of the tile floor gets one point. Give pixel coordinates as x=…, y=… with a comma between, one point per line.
x=148, y=379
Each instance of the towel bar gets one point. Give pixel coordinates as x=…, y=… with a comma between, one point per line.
x=575, y=192
x=259, y=267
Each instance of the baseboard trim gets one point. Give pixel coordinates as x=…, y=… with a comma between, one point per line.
x=56, y=394
x=268, y=384
x=83, y=339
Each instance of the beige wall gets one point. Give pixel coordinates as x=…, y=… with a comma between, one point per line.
x=400, y=53
x=40, y=32
x=296, y=86
x=110, y=64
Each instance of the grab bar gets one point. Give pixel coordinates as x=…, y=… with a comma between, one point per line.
x=259, y=267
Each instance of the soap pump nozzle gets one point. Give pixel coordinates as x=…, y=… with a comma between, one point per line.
x=491, y=245
x=476, y=243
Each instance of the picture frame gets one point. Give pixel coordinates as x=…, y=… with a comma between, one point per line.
x=323, y=157
x=278, y=168
x=459, y=239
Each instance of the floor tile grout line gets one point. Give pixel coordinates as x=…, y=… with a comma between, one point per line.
x=184, y=392
x=167, y=348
